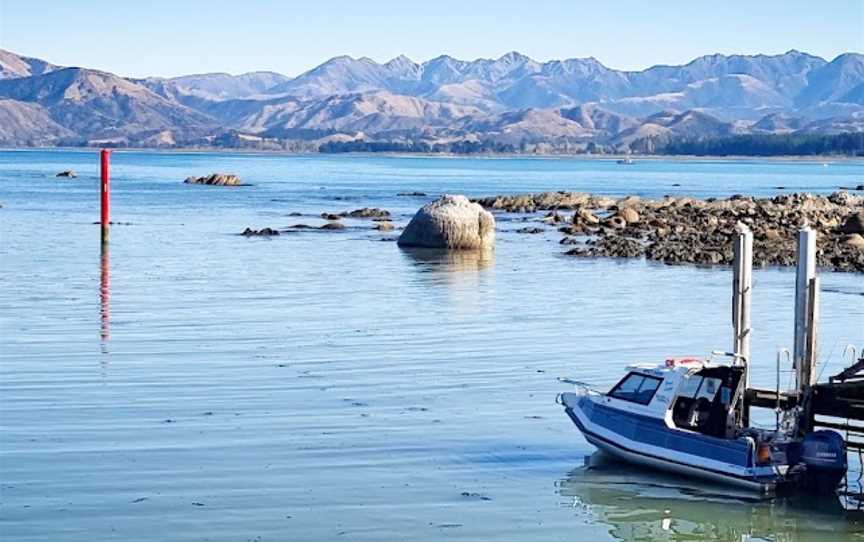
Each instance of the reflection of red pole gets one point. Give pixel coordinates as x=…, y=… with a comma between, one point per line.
x=105, y=296
x=106, y=193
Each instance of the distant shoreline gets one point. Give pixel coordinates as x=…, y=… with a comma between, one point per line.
x=819, y=159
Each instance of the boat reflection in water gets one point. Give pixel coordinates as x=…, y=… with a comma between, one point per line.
x=640, y=504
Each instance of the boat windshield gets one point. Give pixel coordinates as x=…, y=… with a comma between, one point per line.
x=636, y=388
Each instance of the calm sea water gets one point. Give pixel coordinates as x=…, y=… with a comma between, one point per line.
x=193, y=384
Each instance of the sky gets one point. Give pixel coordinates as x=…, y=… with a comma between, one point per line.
x=169, y=38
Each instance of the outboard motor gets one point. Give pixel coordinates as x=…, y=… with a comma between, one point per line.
x=823, y=456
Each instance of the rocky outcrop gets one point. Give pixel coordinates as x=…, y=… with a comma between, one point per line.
x=70, y=174
x=216, y=179
x=687, y=230
x=451, y=222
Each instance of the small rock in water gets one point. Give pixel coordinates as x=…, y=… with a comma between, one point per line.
x=333, y=226
x=384, y=226
x=215, y=179
x=366, y=212
x=330, y=216
x=530, y=230
x=70, y=174
x=265, y=232
x=414, y=194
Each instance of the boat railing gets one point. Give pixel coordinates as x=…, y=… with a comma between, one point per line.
x=582, y=388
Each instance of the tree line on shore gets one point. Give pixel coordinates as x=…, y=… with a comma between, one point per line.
x=844, y=144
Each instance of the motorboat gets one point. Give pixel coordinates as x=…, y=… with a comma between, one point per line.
x=680, y=416
x=691, y=415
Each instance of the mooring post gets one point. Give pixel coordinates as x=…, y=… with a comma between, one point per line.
x=105, y=221
x=742, y=285
x=803, y=358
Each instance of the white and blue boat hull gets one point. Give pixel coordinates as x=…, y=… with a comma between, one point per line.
x=649, y=441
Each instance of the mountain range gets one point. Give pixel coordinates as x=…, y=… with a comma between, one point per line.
x=512, y=100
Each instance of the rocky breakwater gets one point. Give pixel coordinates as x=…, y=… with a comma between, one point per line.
x=216, y=179
x=681, y=230
x=451, y=222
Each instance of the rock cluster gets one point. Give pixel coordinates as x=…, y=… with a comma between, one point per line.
x=451, y=222
x=543, y=201
x=687, y=230
x=216, y=179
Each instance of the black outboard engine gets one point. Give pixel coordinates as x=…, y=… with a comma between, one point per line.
x=823, y=456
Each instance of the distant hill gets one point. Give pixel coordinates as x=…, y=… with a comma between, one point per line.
x=512, y=101
x=98, y=106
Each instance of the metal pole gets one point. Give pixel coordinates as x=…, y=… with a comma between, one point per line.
x=742, y=285
x=811, y=356
x=105, y=160
x=806, y=271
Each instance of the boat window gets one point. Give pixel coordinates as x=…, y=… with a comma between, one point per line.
x=636, y=388
x=709, y=388
x=690, y=386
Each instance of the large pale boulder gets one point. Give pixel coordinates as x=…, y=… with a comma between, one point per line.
x=450, y=222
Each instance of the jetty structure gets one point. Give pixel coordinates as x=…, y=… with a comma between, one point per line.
x=691, y=415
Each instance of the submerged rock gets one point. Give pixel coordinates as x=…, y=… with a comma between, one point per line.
x=266, y=232
x=451, y=222
x=367, y=212
x=333, y=226
x=530, y=230
x=216, y=179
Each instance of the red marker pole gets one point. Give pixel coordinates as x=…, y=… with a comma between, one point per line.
x=105, y=156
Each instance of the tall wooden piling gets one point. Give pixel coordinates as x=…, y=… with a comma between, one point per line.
x=105, y=219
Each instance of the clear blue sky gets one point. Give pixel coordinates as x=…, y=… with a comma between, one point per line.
x=168, y=38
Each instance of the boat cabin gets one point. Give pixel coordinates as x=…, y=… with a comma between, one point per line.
x=689, y=394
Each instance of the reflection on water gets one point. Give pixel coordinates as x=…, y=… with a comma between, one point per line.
x=104, y=299
x=638, y=504
x=433, y=259
x=460, y=271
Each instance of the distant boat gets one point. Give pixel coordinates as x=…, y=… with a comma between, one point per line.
x=626, y=161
